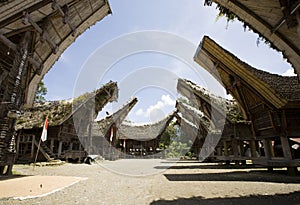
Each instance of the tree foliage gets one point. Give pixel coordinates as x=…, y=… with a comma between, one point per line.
x=40, y=92
x=174, y=142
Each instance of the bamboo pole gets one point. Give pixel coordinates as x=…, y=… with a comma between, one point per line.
x=37, y=152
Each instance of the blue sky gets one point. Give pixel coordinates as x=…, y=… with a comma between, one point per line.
x=151, y=74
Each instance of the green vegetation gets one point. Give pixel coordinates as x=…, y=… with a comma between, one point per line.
x=41, y=92
x=175, y=143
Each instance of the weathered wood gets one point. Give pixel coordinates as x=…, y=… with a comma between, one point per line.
x=59, y=149
x=268, y=148
x=258, y=16
x=225, y=149
x=253, y=148
x=286, y=147
x=33, y=140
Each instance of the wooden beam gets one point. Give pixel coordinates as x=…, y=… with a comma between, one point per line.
x=7, y=42
x=20, y=14
x=65, y=14
x=13, y=46
x=287, y=13
x=44, y=35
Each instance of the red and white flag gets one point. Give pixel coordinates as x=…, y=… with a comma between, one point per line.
x=111, y=134
x=45, y=129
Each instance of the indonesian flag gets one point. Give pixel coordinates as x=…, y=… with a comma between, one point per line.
x=45, y=129
x=111, y=134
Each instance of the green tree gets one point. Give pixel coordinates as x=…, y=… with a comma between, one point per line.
x=168, y=136
x=40, y=92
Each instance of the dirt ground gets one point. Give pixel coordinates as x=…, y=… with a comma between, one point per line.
x=156, y=182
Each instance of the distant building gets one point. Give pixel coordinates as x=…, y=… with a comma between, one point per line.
x=68, y=119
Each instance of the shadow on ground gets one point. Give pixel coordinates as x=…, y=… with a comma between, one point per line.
x=2, y=178
x=251, y=176
x=212, y=166
x=278, y=199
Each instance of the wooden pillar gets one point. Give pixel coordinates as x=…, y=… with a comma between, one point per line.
x=286, y=148
x=219, y=151
x=292, y=171
x=59, y=148
x=52, y=144
x=253, y=148
x=268, y=151
x=71, y=146
x=268, y=148
x=32, y=147
x=225, y=148
x=241, y=148
x=234, y=144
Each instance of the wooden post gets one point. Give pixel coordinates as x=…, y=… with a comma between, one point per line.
x=234, y=144
x=267, y=148
x=286, y=148
x=71, y=146
x=52, y=144
x=268, y=151
x=253, y=148
x=219, y=151
x=32, y=146
x=225, y=148
x=59, y=148
x=37, y=153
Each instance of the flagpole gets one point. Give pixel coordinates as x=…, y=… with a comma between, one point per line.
x=37, y=152
x=38, y=149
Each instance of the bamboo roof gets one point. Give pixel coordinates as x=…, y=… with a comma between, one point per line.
x=194, y=116
x=144, y=132
x=102, y=127
x=215, y=108
x=277, y=21
x=60, y=111
x=277, y=91
x=54, y=26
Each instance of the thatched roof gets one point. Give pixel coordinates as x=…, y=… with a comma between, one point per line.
x=102, y=127
x=276, y=21
x=60, y=111
x=216, y=108
x=277, y=91
x=194, y=116
x=54, y=26
x=144, y=132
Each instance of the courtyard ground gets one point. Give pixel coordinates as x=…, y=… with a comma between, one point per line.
x=148, y=181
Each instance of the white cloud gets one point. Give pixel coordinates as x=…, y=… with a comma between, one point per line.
x=139, y=112
x=165, y=101
x=289, y=72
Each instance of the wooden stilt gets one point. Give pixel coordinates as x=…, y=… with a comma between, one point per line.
x=253, y=148
x=267, y=148
x=225, y=148
x=59, y=148
x=286, y=148
x=52, y=144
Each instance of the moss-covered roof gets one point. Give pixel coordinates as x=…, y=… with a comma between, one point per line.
x=220, y=105
x=60, y=111
x=102, y=127
x=280, y=91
